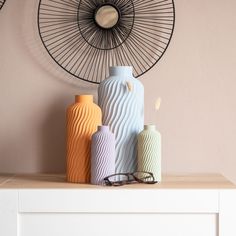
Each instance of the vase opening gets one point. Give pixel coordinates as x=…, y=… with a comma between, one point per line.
x=84, y=98
x=103, y=128
x=120, y=70
x=149, y=127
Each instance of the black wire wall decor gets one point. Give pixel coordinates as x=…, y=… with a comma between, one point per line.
x=2, y=3
x=86, y=37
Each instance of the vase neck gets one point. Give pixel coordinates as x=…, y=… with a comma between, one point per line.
x=84, y=98
x=120, y=71
x=103, y=128
x=150, y=127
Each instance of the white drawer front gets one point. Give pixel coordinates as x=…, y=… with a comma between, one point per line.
x=126, y=201
x=118, y=224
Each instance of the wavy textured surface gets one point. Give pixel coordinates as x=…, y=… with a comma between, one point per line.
x=102, y=156
x=122, y=110
x=149, y=153
x=82, y=122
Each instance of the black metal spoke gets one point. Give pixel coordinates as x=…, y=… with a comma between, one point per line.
x=2, y=3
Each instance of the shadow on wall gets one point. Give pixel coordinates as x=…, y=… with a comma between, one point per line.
x=53, y=139
x=36, y=141
x=52, y=152
x=38, y=146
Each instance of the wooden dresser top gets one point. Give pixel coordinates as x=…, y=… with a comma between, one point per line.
x=171, y=181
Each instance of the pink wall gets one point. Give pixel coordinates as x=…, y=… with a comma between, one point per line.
x=196, y=79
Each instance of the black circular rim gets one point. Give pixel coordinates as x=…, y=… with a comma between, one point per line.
x=95, y=61
x=171, y=35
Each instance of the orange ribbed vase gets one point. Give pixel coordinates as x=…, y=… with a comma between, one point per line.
x=83, y=117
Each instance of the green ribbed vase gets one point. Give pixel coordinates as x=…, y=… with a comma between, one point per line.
x=149, y=151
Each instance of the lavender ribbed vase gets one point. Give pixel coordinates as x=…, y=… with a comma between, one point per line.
x=102, y=155
x=121, y=99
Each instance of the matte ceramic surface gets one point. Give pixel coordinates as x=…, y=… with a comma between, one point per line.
x=121, y=99
x=102, y=155
x=149, y=151
x=83, y=117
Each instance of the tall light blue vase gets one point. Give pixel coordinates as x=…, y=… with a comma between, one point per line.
x=121, y=98
x=102, y=155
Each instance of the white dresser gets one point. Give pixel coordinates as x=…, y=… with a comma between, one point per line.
x=183, y=205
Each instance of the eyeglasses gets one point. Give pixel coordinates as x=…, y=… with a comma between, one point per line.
x=120, y=179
